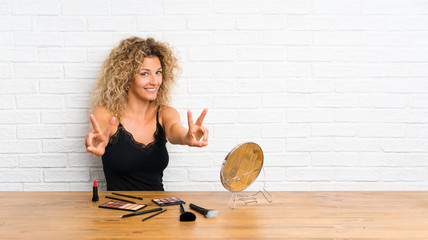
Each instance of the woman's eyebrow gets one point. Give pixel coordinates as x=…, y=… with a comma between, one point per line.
x=146, y=69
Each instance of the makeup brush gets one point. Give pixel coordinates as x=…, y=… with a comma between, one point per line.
x=185, y=215
x=208, y=213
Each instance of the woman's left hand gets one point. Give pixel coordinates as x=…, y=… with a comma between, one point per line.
x=197, y=135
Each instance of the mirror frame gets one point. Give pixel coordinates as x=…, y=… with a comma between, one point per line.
x=237, y=173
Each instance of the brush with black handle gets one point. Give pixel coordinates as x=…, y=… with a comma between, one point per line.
x=208, y=213
x=185, y=215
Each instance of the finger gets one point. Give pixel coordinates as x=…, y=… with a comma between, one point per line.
x=88, y=140
x=190, y=119
x=94, y=151
x=90, y=149
x=94, y=123
x=205, y=132
x=200, y=144
x=201, y=117
x=110, y=127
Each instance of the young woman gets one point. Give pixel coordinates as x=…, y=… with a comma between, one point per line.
x=131, y=119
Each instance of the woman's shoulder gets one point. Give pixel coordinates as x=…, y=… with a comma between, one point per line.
x=102, y=112
x=103, y=117
x=167, y=110
x=168, y=114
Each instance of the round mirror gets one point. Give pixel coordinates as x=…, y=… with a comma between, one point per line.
x=241, y=166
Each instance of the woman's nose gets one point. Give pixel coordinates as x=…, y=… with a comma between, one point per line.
x=155, y=79
x=152, y=79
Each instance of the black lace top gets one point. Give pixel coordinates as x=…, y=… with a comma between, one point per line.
x=132, y=166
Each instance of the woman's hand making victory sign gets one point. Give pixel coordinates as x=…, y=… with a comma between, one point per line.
x=197, y=135
x=97, y=140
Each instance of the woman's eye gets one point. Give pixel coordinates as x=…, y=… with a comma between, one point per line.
x=144, y=74
x=159, y=72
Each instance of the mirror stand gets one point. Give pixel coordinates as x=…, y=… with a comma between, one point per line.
x=250, y=199
x=237, y=197
x=265, y=194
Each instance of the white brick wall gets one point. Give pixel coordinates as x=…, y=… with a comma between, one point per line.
x=335, y=92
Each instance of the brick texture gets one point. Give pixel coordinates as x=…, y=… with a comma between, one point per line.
x=335, y=92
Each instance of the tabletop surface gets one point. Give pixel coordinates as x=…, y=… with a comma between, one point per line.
x=291, y=215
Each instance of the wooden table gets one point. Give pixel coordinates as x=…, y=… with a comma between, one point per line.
x=291, y=215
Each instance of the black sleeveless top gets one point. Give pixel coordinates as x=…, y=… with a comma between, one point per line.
x=132, y=166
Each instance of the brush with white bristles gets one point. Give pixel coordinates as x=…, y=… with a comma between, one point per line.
x=208, y=213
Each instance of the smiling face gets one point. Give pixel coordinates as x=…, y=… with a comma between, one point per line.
x=147, y=81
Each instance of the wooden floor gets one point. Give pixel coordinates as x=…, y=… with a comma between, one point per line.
x=291, y=215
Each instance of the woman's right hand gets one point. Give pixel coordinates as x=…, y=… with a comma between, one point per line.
x=97, y=140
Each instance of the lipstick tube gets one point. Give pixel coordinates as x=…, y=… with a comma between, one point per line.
x=95, y=192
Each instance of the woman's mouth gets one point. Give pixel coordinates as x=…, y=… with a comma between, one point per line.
x=152, y=90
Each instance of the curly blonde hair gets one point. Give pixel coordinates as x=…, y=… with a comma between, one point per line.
x=121, y=66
